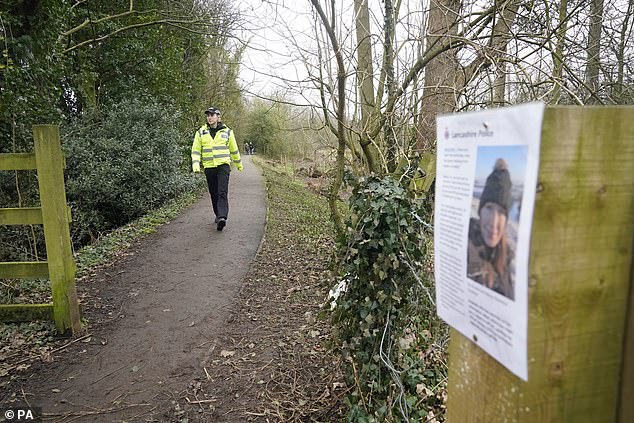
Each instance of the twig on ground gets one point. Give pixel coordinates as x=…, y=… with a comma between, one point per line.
x=201, y=401
x=71, y=343
x=109, y=374
x=78, y=414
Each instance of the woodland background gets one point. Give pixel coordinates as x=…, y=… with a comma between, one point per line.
x=127, y=83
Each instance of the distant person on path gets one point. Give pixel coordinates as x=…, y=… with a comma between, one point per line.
x=490, y=261
x=215, y=146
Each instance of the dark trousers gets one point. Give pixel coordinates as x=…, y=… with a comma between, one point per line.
x=218, y=184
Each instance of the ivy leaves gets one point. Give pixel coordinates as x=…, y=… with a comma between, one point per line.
x=378, y=319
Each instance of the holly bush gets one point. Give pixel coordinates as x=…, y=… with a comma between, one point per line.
x=384, y=319
x=123, y=163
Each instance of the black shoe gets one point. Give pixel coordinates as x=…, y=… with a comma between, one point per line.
x=221, y=223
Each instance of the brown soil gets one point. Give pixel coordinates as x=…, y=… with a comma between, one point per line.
x=191, y=326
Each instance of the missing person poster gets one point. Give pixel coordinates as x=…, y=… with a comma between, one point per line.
x=486, y=175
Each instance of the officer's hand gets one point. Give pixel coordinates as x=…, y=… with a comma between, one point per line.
x=239, y=167
x=196, y=167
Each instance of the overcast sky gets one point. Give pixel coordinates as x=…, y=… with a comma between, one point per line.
x=278, y=30
x=271, y=53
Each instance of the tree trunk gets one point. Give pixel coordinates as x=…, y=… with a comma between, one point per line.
x=335, y=185
x=388, y=129
x=499, y=85
x=365, y=81
x=439, y=95
x=500, y=38
x=623, y=39
x=594, y=51
x=558, y=56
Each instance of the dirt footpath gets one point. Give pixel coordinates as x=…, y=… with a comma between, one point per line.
x=163, y=306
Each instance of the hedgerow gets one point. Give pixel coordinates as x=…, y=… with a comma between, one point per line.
x=123, y=163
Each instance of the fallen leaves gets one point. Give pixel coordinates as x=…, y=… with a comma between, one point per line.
x=272, y=364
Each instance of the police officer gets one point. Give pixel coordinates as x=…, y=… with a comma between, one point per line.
x=216, y=148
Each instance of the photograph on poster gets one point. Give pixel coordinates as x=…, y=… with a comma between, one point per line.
x=494, y=220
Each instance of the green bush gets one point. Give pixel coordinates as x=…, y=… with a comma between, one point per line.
x=384, y=319
x=123, y=163
x=18, y=189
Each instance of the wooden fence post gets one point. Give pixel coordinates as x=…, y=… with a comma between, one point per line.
x=626, y=407
x=61, y=266
x=580, y=364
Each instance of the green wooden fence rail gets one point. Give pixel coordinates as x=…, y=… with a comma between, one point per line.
x=54, y=215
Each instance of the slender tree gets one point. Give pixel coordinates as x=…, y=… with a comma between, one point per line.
x=593, y=64
x=365, y=81
x=340, y=101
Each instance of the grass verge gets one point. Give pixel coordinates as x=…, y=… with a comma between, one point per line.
x=272, y=364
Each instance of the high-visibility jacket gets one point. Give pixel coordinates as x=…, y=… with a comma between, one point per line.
x=212, y=152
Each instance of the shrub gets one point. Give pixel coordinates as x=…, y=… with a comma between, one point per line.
x=383, y=309
x=121, y=164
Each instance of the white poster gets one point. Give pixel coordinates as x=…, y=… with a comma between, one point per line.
x=486, y=175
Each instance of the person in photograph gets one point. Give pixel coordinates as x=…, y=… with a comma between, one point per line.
x=490, y=260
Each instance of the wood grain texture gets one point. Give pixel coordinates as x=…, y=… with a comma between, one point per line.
x=61, y=266
x=626, y=405
x=17, y=161
x=579, y=284
x=21, y=216
x=24, y=270
x=25, y=216
x=26, y=312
